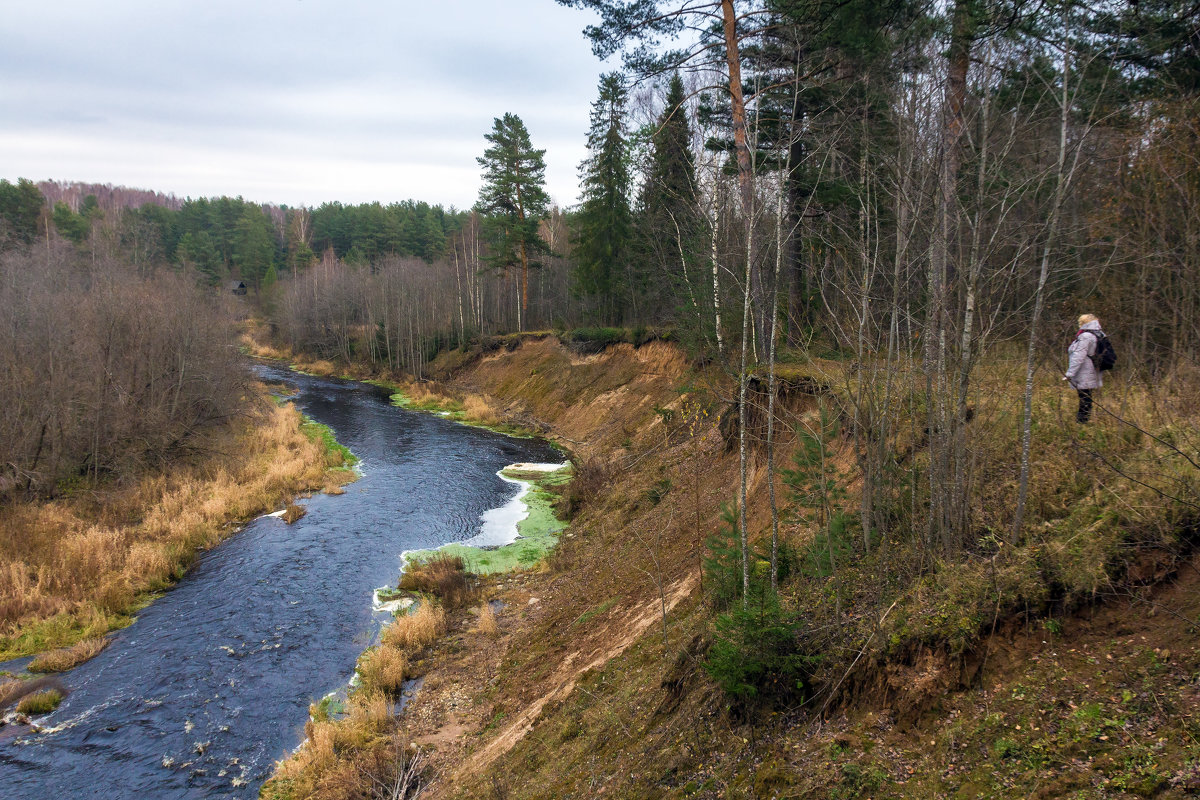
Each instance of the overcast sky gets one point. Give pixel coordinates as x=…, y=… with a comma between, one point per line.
x=290, y=101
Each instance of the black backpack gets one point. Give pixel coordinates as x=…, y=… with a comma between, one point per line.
x=1105, y=357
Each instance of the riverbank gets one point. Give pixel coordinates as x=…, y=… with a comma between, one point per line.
x=596, y=672
x=74, y=568
x=446, y=587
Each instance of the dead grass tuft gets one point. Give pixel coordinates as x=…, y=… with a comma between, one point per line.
x=442, y=575
x=487, y=621
x=10, y=690
x=419, y=629
x=382, y=669
x=326, y=765
x=478, y=409
x=293, y=512
x=67, y=658
x=319, y=367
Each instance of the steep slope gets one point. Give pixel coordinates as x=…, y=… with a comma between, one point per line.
x=998, y=675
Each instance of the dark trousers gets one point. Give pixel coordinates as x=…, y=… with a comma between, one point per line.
x=1085, y=406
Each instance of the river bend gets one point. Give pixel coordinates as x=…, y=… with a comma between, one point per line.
x=211, y=685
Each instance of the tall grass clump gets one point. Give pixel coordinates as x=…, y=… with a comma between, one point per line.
x=67, y=658
x=477, y=409
x=331, y=762
x=383, y=669
x=486, y=624
x=419, y=629
x=40, y=702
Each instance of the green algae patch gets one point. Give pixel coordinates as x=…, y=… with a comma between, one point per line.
x=537, y=533
x=337, y=454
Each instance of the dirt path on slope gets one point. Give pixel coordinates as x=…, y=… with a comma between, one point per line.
x=633, y=624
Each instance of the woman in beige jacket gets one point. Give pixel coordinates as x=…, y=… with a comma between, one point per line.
x=1081, y=372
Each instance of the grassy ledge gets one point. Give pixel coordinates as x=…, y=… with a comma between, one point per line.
x=473, y=410
x=337, y=455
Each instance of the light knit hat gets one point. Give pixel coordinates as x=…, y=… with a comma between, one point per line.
x=1084, y=319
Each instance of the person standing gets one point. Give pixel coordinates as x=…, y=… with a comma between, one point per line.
x=1082, y=373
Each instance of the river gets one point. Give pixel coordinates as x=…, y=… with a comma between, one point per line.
x=211, y=685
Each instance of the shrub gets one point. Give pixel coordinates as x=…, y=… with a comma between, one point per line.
x=590, y=481
x=441, y=575
x=587, y=341
x=756, y=657
x=723, y=565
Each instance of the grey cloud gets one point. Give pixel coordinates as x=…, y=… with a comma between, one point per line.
x=305, y=89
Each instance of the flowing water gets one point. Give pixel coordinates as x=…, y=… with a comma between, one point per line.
x=211, y=684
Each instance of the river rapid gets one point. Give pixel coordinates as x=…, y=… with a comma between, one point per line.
x=211, y=685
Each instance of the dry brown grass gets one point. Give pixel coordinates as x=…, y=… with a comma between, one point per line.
x=486, y=624
x=318, y=366
x=71, y=567
x=443, y=576
x=67, y=658
x=260, y=350
x=478, y=409
x=416, y=630
x=421, y=393
x=293, y=512
x=321, y=768
x=10, y=690
x=383, y=669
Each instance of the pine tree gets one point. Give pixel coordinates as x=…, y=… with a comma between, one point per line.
x=513, y=200
x=604, y=222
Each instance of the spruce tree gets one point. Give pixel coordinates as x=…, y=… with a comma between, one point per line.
x=605, y=222
x=20, y=206
x=513, y=200
x=669, y=215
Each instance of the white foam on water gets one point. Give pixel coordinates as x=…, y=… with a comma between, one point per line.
x=378, y=604
x=538, y=467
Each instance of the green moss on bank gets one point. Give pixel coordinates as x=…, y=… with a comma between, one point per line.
x=537, y=533
x=454, y=411
x=337, y=455
x=64, y=629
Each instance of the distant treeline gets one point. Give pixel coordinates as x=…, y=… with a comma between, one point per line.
x=220, y=238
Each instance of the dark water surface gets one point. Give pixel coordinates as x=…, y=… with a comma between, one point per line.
x=212, y=684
